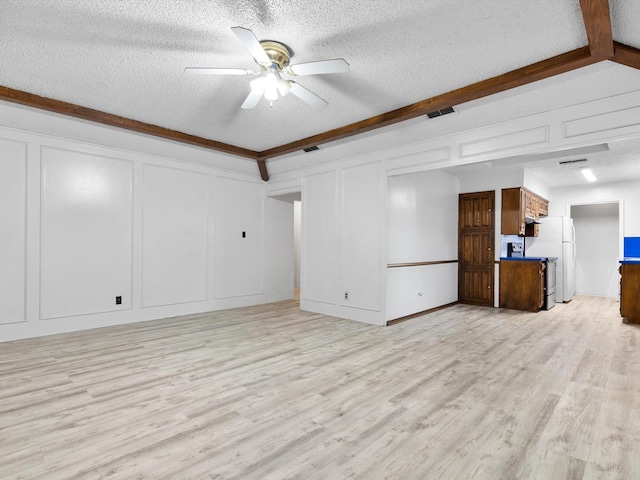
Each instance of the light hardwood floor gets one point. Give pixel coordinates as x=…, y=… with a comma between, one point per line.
x=273, y=392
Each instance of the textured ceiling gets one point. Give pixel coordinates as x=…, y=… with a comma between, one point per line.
x=126, y=58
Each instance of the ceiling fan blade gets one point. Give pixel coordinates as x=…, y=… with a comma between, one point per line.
x=218, y=71
x=257, y=90
x=337, y=65
x=252, y=44
x=307, y=96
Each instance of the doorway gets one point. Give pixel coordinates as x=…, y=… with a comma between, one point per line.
x=284, y=240
x=598, y=242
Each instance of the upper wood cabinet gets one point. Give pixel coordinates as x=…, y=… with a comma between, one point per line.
x=518, y=204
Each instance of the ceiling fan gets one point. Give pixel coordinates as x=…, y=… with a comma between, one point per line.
x=273, y=59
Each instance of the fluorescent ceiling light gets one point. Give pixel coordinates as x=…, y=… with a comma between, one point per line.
x=588, y=174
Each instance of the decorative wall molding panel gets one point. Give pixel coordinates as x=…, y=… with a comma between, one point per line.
x=612, y=124
x=86, y=238
x=512, y=143
x=98, y=236
x=13, y=228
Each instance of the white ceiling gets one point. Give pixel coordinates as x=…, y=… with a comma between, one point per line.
x=127, y=58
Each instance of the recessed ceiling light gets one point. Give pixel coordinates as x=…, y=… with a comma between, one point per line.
x=588, y=174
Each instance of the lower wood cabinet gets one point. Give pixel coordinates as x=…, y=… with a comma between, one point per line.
x=522, y=284
x=630, y=292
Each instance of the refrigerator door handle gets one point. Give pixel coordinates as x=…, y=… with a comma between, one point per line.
x=573, y=240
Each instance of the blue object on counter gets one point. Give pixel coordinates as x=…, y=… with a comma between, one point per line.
x=631, y=247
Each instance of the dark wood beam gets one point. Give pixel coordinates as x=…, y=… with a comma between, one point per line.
x=70, y=109
x=262, y=166
x=626, y=55
x=597, y=23
x=538, y=71
x=532, y=73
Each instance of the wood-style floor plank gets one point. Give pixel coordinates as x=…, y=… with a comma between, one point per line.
x=270, y=392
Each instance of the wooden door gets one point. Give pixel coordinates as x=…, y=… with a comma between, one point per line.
x=476, y=239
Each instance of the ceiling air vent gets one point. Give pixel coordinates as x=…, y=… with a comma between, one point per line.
x=311, y=149
x=566, y=162
x=439, y=113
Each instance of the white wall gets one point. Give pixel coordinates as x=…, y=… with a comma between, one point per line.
x=627, y=195
x=239, y=210
x=82, y=224
x=13, y=225
x=342, y=242
x=319, y=229
x=86, y=235
x=361, y=235
x=174, y=235
x=597, y=249
x=422, y=227
x=561, y=200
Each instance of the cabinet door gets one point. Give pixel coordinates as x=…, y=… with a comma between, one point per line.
x=630, y=292
x=476, y=248
x=543, y=208
x=512, y=221
x=528, y=202
x=476, y=211
x=521, y=285
x=543, y=291
x=475, y=286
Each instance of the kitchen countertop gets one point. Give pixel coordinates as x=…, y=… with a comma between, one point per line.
x=630, y=261
x=531, y=259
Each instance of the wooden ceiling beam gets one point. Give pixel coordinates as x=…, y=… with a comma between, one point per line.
x=72, y=110
x=625, y=55
x=262, y=167
x=532, y=73
x=597, y=23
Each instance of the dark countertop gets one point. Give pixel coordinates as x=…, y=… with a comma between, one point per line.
x=526, y=259
x=630, y=261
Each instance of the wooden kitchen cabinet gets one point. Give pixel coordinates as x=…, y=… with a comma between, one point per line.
x=517, y=204
x=543, y=208
x=522, y=284
x=630, y=292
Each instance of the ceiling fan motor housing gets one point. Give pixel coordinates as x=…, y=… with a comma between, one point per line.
x=277, y=52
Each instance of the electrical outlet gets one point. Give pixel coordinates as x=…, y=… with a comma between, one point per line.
x=118, y=300
x=346, y=295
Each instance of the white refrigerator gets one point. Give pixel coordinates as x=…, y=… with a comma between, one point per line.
x=556, y=238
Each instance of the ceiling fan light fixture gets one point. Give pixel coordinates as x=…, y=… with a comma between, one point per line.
x=273, y=58
x=271, y=86
x=284, y=87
